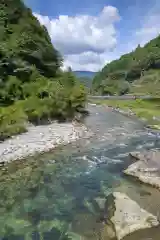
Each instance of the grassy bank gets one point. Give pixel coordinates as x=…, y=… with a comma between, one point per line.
x=148, y=110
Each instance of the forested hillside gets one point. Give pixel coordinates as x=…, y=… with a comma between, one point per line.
x=32, y=86
x=138, y=68
x=87, y=74
x=86, y=78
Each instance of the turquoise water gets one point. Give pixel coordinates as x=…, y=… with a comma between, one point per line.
x=58, y=195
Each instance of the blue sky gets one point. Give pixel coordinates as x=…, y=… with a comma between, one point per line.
x=90, y=33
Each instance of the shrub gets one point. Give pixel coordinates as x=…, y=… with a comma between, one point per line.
x=78, y=97
x=34, y=109
x=32, y=85
x=12, y=121
x=139, y=101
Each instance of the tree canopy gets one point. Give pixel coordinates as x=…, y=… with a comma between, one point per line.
x=128, y=68
x=30, y=74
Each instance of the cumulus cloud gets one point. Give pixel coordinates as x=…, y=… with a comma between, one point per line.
x=82, y=39
x=88, y=42
x=85, y=61
x=74, y=35
x=149, y=28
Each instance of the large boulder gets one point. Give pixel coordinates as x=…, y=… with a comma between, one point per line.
x=122, y=216
x=129, y=216
x=146, y=168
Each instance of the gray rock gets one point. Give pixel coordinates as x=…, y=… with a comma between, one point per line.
x=122, y=216
x=129, y=216
x=146, y=168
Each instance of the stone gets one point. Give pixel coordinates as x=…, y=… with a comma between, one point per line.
x=129, y=216
x=146, y=168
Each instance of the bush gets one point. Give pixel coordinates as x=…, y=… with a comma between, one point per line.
x=32, y=85
x=37, y=110
x=78, y=97
x=44, y=100
x=12, y=121
x=132, y=66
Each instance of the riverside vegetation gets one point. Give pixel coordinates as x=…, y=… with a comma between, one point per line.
x=33, y=88
x=48, y=197
x=64, y=195
x=135, y=73
x=146, y=110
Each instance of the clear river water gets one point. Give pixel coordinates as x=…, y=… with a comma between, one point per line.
x=56, y=196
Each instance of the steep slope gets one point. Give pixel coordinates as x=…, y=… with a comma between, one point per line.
x=24, y=42
x=32, y=86
x=85, y=77
x=128, y=68
x=147, y=84
x=86, y=81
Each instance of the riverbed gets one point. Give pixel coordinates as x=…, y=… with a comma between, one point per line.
x=46, y=196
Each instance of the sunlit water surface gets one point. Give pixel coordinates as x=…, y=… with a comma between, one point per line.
x=54, y=196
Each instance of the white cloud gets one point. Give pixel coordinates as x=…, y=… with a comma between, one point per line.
x=83, y=39
x=88, y=42
x=89, y=60
x=73, y=35
x=149, y=28
x=84, y=61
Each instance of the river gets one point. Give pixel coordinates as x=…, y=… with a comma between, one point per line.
x=54, y=196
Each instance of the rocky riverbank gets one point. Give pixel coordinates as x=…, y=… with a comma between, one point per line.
x=130, y=217
x=130, y=113
x=143, y=110
x=146, y=168
x=41, y=139
x=124, y=216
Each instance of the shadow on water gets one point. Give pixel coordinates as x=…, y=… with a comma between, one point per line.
x=62, y=195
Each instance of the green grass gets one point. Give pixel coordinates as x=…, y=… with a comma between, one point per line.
x=148, y=84
x=144, y=109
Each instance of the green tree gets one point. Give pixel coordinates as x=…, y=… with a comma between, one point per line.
x=31, y=80
x=129, y=67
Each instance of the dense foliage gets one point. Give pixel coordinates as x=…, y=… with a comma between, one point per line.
x=87, y=83
x=86, y=78
x=24, y=43
x=32, y=86
x=128, y=68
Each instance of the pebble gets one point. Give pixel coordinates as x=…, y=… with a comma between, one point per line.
x=41, y=139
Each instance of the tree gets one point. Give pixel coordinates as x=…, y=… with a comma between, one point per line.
x=130, y=67
x=31, y=80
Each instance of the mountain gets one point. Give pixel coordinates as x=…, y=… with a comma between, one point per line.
x=87, y=74
x=86, y=81
x=33, y=88
x=24, y=42
x=85, y=77
x=135, y=71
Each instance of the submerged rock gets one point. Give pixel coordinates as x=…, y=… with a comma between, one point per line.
x=122, y=216
x=146, y=168
x=129, y=216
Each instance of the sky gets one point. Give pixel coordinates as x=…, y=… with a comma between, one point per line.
x=91, y=33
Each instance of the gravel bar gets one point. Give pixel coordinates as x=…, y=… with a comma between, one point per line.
x=41, y=139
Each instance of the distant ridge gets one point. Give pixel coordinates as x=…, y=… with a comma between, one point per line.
x=87, y=74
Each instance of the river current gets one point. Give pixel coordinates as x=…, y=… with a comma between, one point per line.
x=54, y=196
